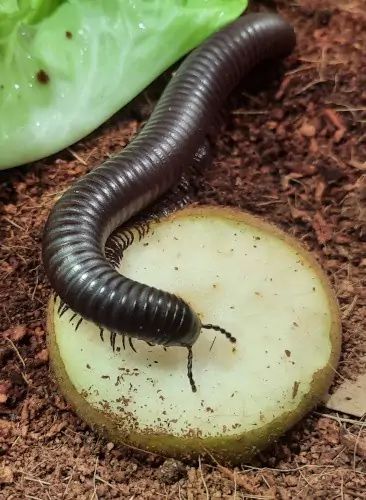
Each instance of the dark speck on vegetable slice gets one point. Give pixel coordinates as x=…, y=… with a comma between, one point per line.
x=42, y=77
x=68, y=34
x=295, y=389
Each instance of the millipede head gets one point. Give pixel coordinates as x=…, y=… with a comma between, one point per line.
x=185, y=333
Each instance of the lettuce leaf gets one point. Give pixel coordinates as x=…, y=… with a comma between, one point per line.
x=66, y=66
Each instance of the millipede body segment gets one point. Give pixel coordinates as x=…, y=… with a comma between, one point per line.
x=173, y=138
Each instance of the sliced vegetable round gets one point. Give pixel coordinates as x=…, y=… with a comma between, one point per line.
x=240, y=273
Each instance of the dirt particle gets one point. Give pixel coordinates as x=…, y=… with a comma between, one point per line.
x=6, y=475
x=323, y=17
x=42, y=356
x=15, y=333
x=42, y=77
x=307, y=130
x=68, y=34
x=3, y=393
x=295, y=389
x=110, y=446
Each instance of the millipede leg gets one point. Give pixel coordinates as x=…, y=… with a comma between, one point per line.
x=78, y=324
x=130, y=236
x=101, y=331
x=140, y=231
x=123, y=341
x=120, y=241
x=131, y=344
x=112, y=339
x=145, y=228
x=64, y=309
x=60, y=306
x=189, y=369
x=73, y=317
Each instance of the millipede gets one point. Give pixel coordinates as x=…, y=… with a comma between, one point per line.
x=176, y=136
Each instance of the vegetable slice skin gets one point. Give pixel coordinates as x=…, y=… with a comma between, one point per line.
x=67, y=66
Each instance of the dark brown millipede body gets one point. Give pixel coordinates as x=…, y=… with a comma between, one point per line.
x=173, y=138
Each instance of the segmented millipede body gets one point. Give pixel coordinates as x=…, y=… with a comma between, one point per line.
x=174, y=136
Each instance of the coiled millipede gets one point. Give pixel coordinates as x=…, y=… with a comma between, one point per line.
x=174, y=137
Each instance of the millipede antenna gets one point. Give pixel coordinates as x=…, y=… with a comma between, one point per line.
x=217, y=328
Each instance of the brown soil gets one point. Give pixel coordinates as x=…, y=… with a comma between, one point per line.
x=292, y=152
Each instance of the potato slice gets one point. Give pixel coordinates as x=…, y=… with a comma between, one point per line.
x=242, y=274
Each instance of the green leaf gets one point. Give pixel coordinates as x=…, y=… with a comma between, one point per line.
x=66, y=66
